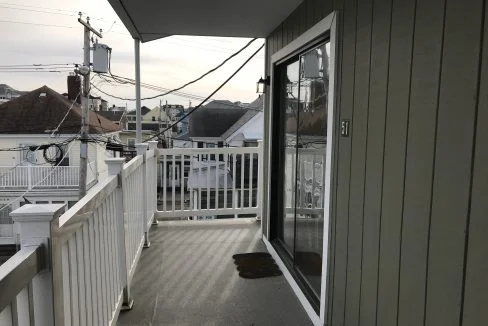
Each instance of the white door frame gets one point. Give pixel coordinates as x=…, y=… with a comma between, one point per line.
x=326, y=25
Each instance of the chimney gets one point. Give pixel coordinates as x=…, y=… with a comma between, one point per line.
x=74, y=88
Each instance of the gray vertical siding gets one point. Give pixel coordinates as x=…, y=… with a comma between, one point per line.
x=410, y=215
x=476, y=285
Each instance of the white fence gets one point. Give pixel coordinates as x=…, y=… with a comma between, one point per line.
x=201, y=182
x=95, y=245
x=42, y=177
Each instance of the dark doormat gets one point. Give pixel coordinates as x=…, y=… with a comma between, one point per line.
x=256, y=265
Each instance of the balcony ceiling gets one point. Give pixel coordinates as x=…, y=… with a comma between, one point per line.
x=153, y=19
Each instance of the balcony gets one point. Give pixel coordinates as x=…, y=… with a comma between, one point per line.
x=34, y=177
x=90, y=259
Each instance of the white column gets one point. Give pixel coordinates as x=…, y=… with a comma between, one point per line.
x=137, y=56
x=34, y=225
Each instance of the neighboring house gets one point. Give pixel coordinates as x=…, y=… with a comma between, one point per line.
x=208, y=124
x=249, y=128
x=49, y=174
x=147, y=124
x=8, y=93
x=117, y=117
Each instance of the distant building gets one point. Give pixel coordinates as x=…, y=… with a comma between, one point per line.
x=7, y=93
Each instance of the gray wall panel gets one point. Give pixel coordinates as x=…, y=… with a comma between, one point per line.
x=476, y=285
x=380, y=50
x=358, y=158
x=427, y=49
x=403, y=13
x=404, y=176
x=452, y=176
x=347, y=77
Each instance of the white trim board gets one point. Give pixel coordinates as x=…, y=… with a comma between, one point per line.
x=293, y=284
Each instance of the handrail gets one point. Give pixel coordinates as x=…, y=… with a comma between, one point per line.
x=18, y=271
x=215, y=150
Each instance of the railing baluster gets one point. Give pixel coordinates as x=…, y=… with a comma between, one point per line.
x=173, y=177
x=165, y=177
x=208, y=181
x=217, y=177
x=73, y=286
x=87, y=258
x=243, y=162
x=251, y=163
x=190, y=173
x=234, y=177
x=226, y=163
x=199, y=199
x=182, y=182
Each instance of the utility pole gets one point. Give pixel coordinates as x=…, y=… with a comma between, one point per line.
x=85, y=100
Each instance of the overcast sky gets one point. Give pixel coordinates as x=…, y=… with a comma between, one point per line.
x=170, y=62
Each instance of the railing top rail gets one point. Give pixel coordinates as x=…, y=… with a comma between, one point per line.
x=18, y=271
x=69, y=222
x=218, y=150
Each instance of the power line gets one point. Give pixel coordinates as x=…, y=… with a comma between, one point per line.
x=37, y=24
x=29, y=6
x=208, y=97
x=194, y=80
x=29, y=71
x=67, y=112
x=38, y=65
x=38, y=11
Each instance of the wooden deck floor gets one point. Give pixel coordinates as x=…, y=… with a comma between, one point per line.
x=187, y=277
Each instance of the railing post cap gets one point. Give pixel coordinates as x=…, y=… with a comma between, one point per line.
x=141, y=148
x=153, y=144
x=37, y=212
x=114, y=165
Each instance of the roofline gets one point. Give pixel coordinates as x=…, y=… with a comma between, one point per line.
x=235, y=132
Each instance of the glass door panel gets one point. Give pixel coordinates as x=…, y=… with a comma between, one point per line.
x=311, y=152
x=289, y=108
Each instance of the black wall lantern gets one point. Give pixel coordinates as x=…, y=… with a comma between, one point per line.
x=261, y=85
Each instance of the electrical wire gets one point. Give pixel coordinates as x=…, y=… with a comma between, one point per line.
x=41, y=181
x=190, y=82
x=55, y=130
x=37, y=24
x=208, y=97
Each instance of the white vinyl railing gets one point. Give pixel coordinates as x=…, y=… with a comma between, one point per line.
x=16, y=286
x=151, y=184
x=41, y=177
x=95, y=245
x=209, y=182
x=304, y=180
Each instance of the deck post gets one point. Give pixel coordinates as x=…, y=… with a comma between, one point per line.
x=259, y=199
x=153, y=145
x=34, y=225
x=141, y=150
x=114, y=166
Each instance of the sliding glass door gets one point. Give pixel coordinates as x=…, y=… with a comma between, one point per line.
x=301, y=120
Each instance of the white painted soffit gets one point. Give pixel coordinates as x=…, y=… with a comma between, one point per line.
x=149, y=20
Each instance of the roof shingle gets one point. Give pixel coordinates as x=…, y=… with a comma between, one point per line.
x=41, y=110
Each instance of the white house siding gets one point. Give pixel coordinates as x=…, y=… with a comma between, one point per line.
x=253, y=129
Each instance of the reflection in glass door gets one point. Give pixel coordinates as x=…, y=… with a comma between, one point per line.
x=304, y=89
